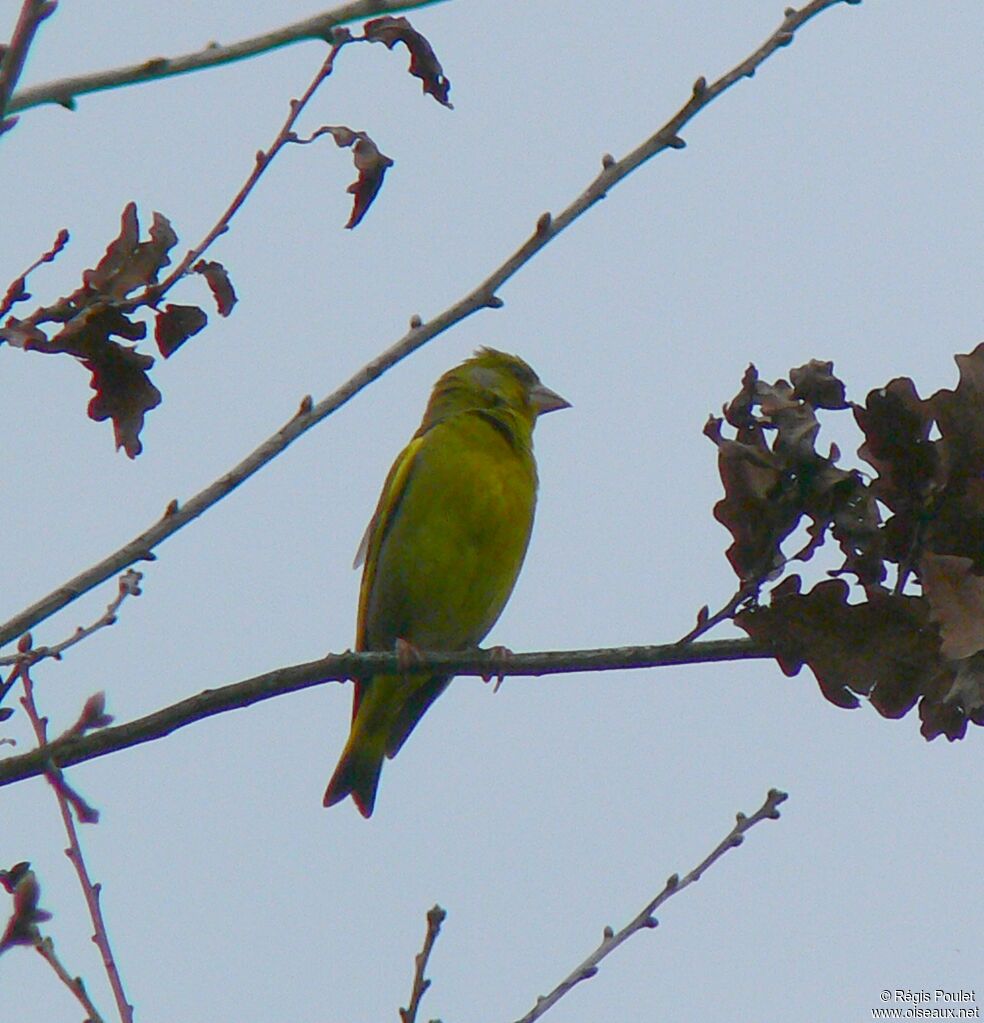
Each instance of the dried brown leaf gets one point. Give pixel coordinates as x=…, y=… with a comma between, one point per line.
x=175, y=324
x=752, y=509
x=885, y=648
x=124, y=393
x=217, y=278
x=954, y=519
x=773, y=477
x=956, y=601
x=369, y=162
x=128, y=262
x=816, y=384
x=423, y=61
x=22, y=334
x=960, y=416
x=962, y=702
x=22, y=926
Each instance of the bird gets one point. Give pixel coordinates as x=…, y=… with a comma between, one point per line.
x=443, y=549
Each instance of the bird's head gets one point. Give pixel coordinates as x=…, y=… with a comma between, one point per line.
x=495, y=381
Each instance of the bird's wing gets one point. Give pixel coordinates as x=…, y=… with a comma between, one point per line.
x=389, y=502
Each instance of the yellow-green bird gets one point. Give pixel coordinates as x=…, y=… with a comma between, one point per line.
x=443, y=549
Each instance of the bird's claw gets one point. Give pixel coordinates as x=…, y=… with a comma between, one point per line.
x=500, y=654
x=407, y=655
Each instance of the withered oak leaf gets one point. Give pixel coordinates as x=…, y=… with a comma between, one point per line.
x=369, y=162
x=960, y=417
x=955, y=514
x=124, y=392
x=894, y=648
x=128, y=262
x=961, y=701
x=955, y=595
x=886, y=648
x=217, y=278
x=752, y=509
x=933, y=487
x=27, y=913
x=423, y=61
x=22, y=334
x=816, y=384
x=175, y=324
x=773, y=477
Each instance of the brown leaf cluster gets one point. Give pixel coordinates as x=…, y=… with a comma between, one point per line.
x=774, y=478
x=917, y=524
x=93, y=323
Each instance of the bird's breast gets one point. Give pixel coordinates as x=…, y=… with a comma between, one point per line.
x=451, y=554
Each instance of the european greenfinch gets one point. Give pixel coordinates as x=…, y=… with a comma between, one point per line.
x=443, y=549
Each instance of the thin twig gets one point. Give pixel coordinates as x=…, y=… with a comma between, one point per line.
x=435, y=917
x=17, y=292
x=46, y=949
x=32, y=13
x=706, y=621
x=74, y=748
x=129, y=586
x=481, y=297
x=645, y=920
x=263, y=160
x=67, y=801
x=65, y=91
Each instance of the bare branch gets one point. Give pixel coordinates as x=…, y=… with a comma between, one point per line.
x=482, y=297
x=32, y=13
x=74, y=749
x=128, y=586
x=64, y=91
x=17, y=291
x=645, y=920
x=263, y=160
x=69, y=800
x=707, y=621
x=46, y=949
x=435, y=917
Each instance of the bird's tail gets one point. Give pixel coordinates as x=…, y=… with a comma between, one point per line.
x=357, y=773
x=386, y=712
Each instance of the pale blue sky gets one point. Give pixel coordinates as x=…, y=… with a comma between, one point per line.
x=831, y=208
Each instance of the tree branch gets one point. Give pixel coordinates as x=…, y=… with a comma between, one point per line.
x=14, y=55
x=64, y=91
x=17, y=291
x=46, y=949
x=645, y=920
x=74, y=748
x=263, y=160
x=435, y=917
x=128, y=586
x=481, y=297
x=69, y=801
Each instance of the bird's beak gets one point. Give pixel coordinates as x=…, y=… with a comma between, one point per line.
x=545, y=400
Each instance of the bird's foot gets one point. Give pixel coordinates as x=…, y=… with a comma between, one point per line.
x=497, y=654
x=407, y=655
